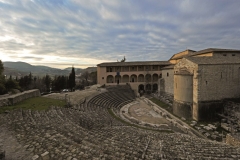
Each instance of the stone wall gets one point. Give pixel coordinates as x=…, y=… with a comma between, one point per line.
x=13, y=99
x=185, y=87
x=166, y=84
x=217, y=82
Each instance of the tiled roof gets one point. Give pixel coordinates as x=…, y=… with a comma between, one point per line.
x=168, y=67
x=213, y=60
x=176, y=56
x=139, y=63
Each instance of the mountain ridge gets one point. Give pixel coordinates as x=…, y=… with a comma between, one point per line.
x=22, y=68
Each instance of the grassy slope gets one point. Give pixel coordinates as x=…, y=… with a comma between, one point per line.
x=38, y=103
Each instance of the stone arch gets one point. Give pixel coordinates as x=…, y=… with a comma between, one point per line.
x=155, y=87
x=155, y=77
x=125, y=78
x=133, y=78
x=118, y=79
x=110, y=79
x=148, y=78
x=140, y=78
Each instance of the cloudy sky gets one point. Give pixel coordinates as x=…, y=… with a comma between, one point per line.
x=62, y=33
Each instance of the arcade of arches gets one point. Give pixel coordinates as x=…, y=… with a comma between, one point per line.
x=145, y=83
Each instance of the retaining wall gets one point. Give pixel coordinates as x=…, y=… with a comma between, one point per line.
x=16, y=98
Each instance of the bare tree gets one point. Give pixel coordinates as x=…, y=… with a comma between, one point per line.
x=85, y=75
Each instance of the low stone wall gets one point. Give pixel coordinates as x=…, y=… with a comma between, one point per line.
x=13, y=99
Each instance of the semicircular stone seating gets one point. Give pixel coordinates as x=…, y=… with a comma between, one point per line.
x=92, y=133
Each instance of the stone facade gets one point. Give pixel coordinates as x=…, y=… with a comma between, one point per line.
x=199, y=81
x=211, y=83
x=166, y=84
x=139, y=75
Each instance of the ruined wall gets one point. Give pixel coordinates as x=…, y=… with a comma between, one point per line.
x=13, y=99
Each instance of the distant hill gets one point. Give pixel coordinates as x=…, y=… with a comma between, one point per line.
x=22, y=68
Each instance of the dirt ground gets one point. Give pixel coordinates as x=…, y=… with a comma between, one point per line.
x=145, y=113
x=77, y=96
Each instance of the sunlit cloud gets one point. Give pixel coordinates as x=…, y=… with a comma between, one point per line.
x=84, y=33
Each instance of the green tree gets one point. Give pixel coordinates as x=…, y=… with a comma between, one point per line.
x=2, y=80
x=1, y=67
x=47, y=81
x=72, y=82
x=11, y=84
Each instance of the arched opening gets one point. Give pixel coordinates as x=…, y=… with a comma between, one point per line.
x=155, y=77
x=155, y=87
x=110, y=79
x=125, y=79
x=148, y=78
x=148, y=87
x=141, y=89
x=133, y=78
x=117, y=79
x=140, y=78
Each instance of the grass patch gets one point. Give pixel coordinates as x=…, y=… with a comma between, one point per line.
x=161, y=104
x=37, y=103
x=133, y=125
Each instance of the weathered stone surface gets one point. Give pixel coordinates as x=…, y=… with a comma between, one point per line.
x=90, y=132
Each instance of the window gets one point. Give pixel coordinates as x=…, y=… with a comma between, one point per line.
x=224, y=54
x=206, y=82
x=167, y=74
x=233, y=54
x=102, y=77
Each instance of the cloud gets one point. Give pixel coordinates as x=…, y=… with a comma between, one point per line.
x=91, y=32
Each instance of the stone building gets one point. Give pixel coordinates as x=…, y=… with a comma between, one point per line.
x=197, y=81
x=142, y=76
x=202, y=80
